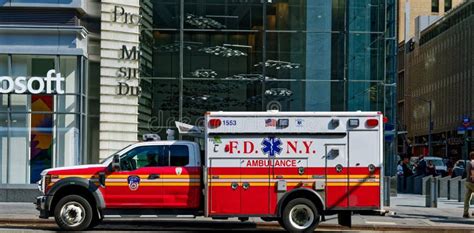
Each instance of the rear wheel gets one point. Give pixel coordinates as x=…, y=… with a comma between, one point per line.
x=300, y=215
x=73, y=213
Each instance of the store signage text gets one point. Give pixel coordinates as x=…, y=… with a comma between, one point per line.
x=121, y=16
x=126, y=73
x=34, y=85
x=132, y=54
x=125, y=89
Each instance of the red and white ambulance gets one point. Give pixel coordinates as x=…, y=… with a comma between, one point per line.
x=290, y=167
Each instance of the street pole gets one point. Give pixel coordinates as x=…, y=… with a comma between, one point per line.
x=429, y=132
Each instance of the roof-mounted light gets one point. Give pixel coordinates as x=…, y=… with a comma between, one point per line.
x=371, y=123
x=214, y=123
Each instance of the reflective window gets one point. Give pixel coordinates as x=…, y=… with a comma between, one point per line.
x=145, y=156
x=179, y=155
x=435, y=6
x=252, y=55
x=40, y=130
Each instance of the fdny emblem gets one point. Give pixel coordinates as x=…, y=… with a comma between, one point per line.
x=133, y=182
x=178, y=170
x=271, y=146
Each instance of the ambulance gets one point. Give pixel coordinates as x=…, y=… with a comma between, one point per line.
x=290, y=167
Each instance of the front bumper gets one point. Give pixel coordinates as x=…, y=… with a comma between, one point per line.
x=42, y=206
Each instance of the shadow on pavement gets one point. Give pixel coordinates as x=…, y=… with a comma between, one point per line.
x=416, y=206
x=167, y=226
x=457, y=221
x=174, y=225
x=442, y=219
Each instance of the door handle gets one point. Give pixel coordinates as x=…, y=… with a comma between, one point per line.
x=153, y=176
x=245, y=185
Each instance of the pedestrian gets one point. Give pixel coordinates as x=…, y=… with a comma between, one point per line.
x=469, y=184
x=400, y=168
x=458, y=169
x=431, y=169
x=406, y=172
x=450, y=166
x=421, y=166
x=406, y=169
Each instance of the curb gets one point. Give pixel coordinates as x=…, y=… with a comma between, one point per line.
x=381, y=227
x=273, y=225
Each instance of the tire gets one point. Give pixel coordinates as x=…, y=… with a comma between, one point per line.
x=300, y=215
x=73, y=213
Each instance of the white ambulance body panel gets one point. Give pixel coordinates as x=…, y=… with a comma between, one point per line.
x=333, y=153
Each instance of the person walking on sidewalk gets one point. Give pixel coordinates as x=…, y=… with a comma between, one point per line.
x=469, y=184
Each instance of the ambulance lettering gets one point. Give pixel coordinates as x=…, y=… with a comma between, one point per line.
x=267, y=163
x=270, y=146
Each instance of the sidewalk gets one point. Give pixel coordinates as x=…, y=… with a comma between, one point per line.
x=407, y=211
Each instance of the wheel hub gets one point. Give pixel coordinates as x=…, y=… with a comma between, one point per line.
x=72, y=213
x=301, y=216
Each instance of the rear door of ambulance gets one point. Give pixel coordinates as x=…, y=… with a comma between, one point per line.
x=365, y=162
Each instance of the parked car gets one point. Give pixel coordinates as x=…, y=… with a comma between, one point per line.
x=441, y=167
x=458, y=169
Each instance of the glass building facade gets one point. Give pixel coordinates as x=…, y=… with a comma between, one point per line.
x=44, y=119
x=253, y=55
x=40, y=131
x=196, y=56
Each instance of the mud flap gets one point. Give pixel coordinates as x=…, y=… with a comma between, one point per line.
x=345, y=218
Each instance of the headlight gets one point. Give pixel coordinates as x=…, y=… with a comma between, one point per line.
x=44, y=182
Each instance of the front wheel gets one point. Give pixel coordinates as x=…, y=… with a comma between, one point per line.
x=300, y=215
x=73, y=213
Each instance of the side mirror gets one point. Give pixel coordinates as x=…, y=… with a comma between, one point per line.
x=116, y=163
x=102, y=179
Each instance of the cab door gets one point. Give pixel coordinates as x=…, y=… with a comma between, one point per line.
x=138, y=183
x=181, y=177
x=337, y=176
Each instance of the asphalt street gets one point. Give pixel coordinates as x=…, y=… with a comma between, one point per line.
x=407, y=213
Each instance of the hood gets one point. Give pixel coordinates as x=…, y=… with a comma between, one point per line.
x=88, y=168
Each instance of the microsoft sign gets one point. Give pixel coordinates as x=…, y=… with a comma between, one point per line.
x=34, y=85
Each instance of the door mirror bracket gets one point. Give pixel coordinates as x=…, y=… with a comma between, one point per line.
x=102, y=179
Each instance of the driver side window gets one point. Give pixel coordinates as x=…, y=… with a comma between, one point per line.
x=145, y=156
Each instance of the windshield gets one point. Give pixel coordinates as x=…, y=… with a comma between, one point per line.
x=437, y=162
x=108, y=159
